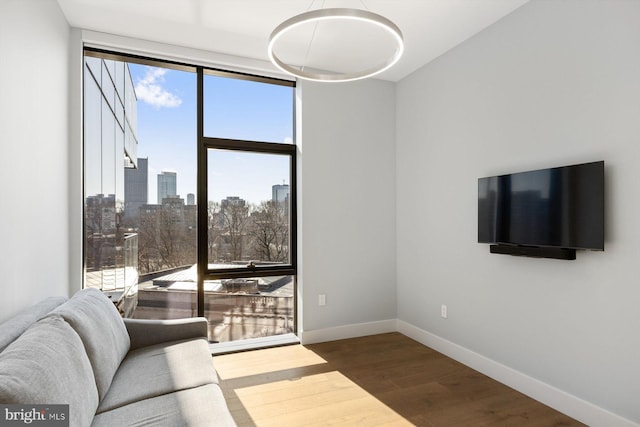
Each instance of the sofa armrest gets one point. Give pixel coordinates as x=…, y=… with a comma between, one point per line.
x=145, y=332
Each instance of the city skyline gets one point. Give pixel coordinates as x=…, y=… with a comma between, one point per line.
x=167, y=134
x=137, y=189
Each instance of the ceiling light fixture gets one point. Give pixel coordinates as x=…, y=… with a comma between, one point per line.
x=337, y=14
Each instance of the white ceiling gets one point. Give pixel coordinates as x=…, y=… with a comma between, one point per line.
x=242, y=27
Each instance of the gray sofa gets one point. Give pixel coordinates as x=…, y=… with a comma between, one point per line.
x=111, y=371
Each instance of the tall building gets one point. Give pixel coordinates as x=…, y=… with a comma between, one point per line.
x=136, y=190
x=279, y=193
x=167, y=184
x=191, y=199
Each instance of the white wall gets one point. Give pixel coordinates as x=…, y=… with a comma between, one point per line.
x=347, y=177
x=34, y=259
x=554, y=83
x=347, y=155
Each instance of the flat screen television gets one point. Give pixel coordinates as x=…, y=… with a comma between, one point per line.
x=557, y=208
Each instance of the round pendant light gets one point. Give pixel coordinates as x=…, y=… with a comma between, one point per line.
x=337, y=14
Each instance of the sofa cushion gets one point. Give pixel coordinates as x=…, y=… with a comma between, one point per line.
x=48, y=365
x=160, y=369
x=201, y=406
x=15, y=326
x=94, y=317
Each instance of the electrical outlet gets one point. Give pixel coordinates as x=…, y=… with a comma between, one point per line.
x=322, y=300
x=443, y=311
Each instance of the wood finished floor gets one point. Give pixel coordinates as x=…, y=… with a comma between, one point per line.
x=380, y=380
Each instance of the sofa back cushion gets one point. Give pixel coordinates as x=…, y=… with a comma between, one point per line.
x=47, y=365
x=94, y=317
x=15, y=326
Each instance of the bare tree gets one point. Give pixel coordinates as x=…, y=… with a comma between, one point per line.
x=214, y=231
x=148, y=259
x=269, y=232
x=234, y=217
x=165, y=240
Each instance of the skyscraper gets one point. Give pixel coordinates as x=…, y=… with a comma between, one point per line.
x=167, y=183
x=191, y=199
x=279, y=193
x=136, y=189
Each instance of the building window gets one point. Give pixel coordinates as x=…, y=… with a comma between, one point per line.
x=190, y=193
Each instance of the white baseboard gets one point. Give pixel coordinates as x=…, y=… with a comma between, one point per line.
x=348, y=331
x=564, y=402
x=560, y=400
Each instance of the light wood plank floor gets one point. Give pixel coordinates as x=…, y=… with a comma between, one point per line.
x=380, y=380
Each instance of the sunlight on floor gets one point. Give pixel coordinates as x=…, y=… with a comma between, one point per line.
x=264, y=361
x=293, y=386
x=323, y=399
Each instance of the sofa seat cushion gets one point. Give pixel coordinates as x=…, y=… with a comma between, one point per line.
x=94, y=317
x=201, y=406
x=160, y=369
x=48, y=365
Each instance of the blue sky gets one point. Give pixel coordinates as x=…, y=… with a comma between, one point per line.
x=237, y=109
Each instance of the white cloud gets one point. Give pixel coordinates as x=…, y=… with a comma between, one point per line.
x=150, y=90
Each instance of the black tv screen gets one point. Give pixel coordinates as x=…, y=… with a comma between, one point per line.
x=557, y=207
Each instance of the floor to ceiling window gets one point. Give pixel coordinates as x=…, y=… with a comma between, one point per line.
x=190, y=194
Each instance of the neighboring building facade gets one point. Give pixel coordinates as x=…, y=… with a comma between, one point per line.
x=110, y=147
x=232, y=201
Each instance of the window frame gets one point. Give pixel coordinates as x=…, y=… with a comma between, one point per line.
x=243, y=146
x=203, y=145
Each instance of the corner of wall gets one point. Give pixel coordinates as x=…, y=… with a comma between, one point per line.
x=75, y=156
x=560, y=400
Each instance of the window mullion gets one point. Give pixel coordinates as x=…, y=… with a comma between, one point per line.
x=201, y=192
